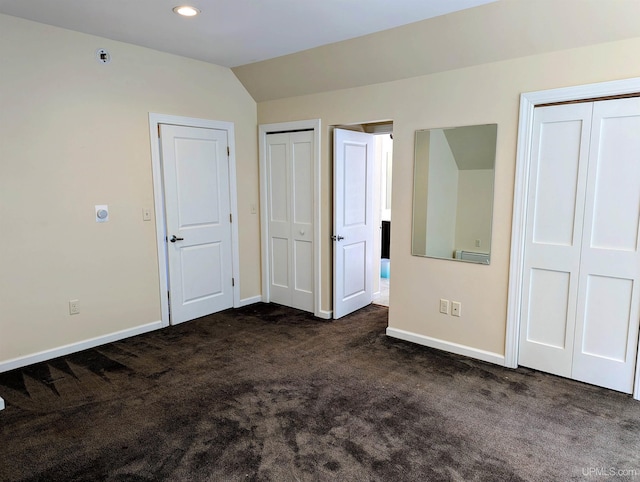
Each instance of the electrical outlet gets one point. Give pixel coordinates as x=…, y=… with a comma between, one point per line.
x=478, y=243
x=444, y=306
x=456, y=308
x=74, y=307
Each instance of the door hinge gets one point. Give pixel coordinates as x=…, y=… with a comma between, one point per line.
x=158, y=131
x=169, y=299
x=230, y=218
x=233, y=281
x=228, y=151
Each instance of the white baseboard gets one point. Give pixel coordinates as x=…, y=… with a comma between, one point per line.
x=1, y=404
x=75, y=347
x=464, y=350
x=325, y=315
x=249, y=301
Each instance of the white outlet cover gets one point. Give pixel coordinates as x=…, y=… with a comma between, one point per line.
x=102, y=213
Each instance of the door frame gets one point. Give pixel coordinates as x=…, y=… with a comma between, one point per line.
x=528, y=102
x=158, y=198
x=263, y=130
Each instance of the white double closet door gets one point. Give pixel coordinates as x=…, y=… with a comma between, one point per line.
x=580, y=308
x=289, y=166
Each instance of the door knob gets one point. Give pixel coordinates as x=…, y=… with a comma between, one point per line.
x=302, y=231
x=174, y=239
x=337, y=238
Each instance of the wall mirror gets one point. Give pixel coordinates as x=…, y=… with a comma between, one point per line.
x=453, y=193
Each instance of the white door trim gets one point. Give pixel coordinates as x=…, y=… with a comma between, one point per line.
x=528, y=102
x=158, y=197
x=265, y=129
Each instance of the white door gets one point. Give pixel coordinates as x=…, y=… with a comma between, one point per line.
x=195, y=168
x=580, y=310
x=558, y=172
x=289, y=164
x=353, y=154
x=608, y=312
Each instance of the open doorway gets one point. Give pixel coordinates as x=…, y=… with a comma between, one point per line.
x=382, y=211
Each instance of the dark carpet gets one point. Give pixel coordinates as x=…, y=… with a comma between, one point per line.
x=268, y=393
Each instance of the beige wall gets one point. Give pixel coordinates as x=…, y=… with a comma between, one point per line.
x=483, y=94
x=74, y=133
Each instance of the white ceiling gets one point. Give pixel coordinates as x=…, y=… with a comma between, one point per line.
x=232, y=32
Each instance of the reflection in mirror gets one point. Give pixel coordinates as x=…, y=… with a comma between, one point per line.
x=453, y=192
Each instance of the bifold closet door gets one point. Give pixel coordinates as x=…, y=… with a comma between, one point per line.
x=606, y=337
x=580, y=307
x=290, y=211
x=557, y=184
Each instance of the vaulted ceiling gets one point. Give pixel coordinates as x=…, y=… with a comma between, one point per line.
x=232, y=32
x=285, y=48
x=502, y=30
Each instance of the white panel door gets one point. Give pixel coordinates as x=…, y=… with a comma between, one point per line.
x=581, y=305
x=557, y=183
x=289, y=162
x=279, y=214
x=195, y=167
x=352, y=221
x=608, y=312
x=302, y=219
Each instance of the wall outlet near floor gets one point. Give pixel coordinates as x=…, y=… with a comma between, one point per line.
x=456, y=308
x=74, y=307
x=444, y=306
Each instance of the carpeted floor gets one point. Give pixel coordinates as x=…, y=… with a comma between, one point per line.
x=268, y=393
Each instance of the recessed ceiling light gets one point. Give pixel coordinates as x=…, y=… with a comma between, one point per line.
x=186, y=11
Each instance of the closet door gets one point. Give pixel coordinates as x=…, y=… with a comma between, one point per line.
x=290, y=210
x=606, y=336
x=302, y=220
x=557, y=184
